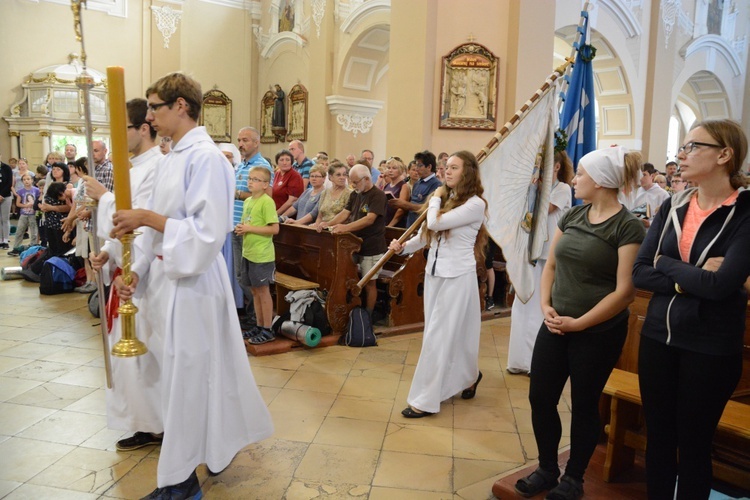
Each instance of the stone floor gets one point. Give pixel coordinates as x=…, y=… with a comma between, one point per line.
x=337, y=412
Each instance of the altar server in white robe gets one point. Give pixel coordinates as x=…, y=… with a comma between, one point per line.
x=134, y=401
x=211, y=405
x=525, y=319
x=455, y=234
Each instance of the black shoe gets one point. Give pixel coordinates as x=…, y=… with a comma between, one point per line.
x=138, y=440
x=471, y=391
x=410, y=412
x=262, y=337
x=488, y=303
x=4, y=246
x=14, y=253
x=568, y=489
x=190, y=489
x=538, y=481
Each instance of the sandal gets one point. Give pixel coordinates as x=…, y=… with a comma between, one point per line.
x=538, y=481
x=410, y=412
x=471, y=391
x=263, y=337
x=568, y=489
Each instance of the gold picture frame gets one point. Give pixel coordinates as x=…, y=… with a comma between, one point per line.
x=297, y=114
x=469, y=88
x=266, y=118
x=216, y=115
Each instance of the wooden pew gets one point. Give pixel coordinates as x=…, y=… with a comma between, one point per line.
x=403, y=279
x=323, y=258
x=621, y=406
x=623, y=436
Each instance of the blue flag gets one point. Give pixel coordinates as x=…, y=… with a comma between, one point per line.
x=578, y=117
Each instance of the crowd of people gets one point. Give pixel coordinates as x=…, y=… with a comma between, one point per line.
x=209, y=215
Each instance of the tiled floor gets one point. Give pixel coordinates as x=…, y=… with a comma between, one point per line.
x=337, y=412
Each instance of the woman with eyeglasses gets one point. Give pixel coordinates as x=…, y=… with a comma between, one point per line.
x=695, y=260
x=306, y=207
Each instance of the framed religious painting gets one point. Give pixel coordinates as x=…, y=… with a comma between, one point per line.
x=297, y=119
x=266, y=118
x=468, y=88
x=216, y=115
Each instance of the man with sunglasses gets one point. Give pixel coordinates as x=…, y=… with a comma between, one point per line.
x=211, y=406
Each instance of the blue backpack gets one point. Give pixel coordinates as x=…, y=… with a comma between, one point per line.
x=359, y=332
x=57, y=276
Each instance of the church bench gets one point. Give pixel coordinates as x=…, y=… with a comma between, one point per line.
x=402, y=278
x=286, y=283
x=309, y=259
x=625, y=436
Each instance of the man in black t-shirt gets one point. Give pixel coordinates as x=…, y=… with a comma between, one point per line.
x=364, y=216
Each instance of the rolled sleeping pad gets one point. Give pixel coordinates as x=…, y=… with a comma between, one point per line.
x=11, y=273
x=301, y=332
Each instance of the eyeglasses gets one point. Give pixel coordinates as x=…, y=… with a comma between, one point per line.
x=395, y=158
x=152, y=107
x=357, y=181
x=675, y=181
x=316, y=176
x=256, y=179
x=133, y=126
x=690, y=146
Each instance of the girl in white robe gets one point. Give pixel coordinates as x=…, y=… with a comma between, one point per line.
x=525, y=319
x=448, y=363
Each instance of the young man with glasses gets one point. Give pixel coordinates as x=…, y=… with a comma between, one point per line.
x=210, y=404
x=140, y=414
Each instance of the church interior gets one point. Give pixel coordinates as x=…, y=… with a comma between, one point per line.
x=358, y=75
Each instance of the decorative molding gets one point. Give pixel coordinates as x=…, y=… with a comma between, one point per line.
x=116, y=8
x=672, y=13
x=610, y=81
x=354, y=115
x=717, y=44
x=234, y=4
x=616, y=113
x=44, y=133
x=367, y=66
x=318, y=12
x=274, y=42
x=14, y=133
x=622, y=14
x=355, y=123
x=362, y=11
x=80, y=130
x=166, y=21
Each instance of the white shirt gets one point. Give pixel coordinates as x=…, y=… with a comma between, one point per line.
x=452, y=245
x=654, y=197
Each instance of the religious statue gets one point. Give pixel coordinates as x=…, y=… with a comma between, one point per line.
x=279, y=108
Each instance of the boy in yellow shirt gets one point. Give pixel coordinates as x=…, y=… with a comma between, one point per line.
x=259, y=224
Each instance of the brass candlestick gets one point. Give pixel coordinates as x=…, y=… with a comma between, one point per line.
x=128, y=345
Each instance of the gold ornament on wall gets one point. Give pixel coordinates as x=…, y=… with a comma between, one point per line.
x=469, y=88
x=216, y=115
x=297, y=111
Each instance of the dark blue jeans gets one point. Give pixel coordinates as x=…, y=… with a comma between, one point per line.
x=587, y=358
x=684, y=394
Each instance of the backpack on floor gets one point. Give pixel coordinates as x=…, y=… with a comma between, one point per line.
x=359, y=332
x=57, y=277
x=31, y=266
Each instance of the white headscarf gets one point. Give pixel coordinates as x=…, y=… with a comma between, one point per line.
x=606, y=166
x=228, y=146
